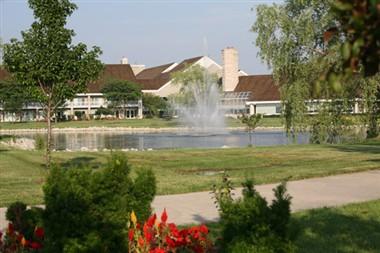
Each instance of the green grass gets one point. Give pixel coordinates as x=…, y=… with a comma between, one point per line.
x=152, y=123
x=22, y=173
x=135, y=123
x=347, y=229
x=352, y=228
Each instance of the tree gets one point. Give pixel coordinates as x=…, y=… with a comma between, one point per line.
x=291, y=42
x=13, y=98
x=153, y=105
x=251, y=122
x=371, y=94
x=120, y=92
x=46, y=61
x=359, y=23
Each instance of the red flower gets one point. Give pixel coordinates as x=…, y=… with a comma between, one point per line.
x=19, y=237
x=39, y=232
x=164, y=216
x=147, y=233
x=203, y=228
x=35, y=245
x=170, y=242
x=11, y=229
x=141, y=242
x=157, y=250
x=131, y=234
x=198, y=249
x=151, y=220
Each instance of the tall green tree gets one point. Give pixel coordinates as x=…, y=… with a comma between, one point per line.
x=46, y=60
x=291, y=42
x=120, y=92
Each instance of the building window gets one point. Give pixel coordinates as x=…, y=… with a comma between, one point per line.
x=278, y=109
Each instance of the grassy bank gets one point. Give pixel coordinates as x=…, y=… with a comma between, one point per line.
x=135, y=123
x=22, y=173
x=347, y=229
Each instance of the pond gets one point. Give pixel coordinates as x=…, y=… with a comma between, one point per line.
x=144, y=141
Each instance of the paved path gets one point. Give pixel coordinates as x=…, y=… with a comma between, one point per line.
x=307, y=194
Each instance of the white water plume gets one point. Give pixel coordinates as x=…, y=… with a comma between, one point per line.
x=199, y=104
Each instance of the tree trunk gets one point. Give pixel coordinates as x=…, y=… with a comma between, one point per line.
x=125, y=110
x=250, y=137
x=49, y=130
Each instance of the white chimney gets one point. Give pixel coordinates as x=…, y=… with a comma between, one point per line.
x=124, y=60
x=230, y=68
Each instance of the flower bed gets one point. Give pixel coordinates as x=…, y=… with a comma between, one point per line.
x=13, y=241
x=158, y=236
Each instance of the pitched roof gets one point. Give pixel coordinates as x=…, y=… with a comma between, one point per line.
x=151, y=73
x=262, y=87
x=112, y=72
x=185, y=63
x=154, y=78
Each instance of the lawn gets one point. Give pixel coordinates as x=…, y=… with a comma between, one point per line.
x=187, y=170
x=346, y=229
x=135, y=123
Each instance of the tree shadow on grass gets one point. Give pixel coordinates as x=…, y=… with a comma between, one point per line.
x=326, y=230
x=370, y=148
x=81, y=162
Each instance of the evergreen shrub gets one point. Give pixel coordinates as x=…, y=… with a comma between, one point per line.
x=250, y=224
x=88, y=210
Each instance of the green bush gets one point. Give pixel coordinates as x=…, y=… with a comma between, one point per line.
x=88, y=210
x=39, y=142
x=103, y=111
x=250, y=224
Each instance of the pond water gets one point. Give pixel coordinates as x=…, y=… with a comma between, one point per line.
x=143, y=141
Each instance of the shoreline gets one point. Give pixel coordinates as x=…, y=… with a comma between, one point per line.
x=130, y=130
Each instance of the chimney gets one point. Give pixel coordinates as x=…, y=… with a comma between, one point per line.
x=230, y=68
x=124, y=60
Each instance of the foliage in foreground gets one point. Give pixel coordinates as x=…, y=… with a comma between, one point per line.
x=14, y=241
x=161, y=237
x=87, y=210
x=249, y=224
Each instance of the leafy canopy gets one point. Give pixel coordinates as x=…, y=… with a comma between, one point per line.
x=46, y=60
x=154, y=104
x=291, y=41
x=13, y=97
x=359, y=23
x=119, y=92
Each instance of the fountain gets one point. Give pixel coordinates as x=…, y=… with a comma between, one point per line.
x=198, y=104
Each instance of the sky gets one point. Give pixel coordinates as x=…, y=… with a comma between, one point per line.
x=154, y=32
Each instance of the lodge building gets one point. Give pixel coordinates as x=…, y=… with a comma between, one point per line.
x=242, y=93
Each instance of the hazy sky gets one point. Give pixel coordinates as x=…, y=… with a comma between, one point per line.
x=154, y=32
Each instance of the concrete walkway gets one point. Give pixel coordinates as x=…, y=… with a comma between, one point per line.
x=307, y=194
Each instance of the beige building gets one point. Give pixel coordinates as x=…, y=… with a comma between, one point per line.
x=84, y=104
x=242, y=93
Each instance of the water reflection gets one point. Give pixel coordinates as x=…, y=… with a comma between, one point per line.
x=119, y=140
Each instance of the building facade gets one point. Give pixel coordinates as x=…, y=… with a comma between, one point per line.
x=242, y=93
